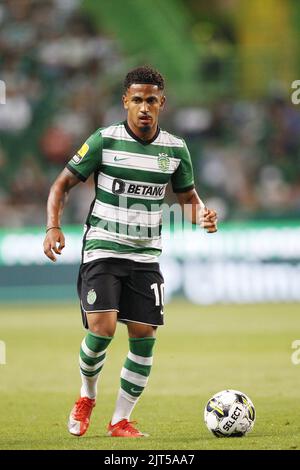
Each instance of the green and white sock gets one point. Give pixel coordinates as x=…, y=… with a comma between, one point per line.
x=134, y=376
x=91, y=360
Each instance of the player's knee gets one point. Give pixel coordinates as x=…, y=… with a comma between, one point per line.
x=102, y=324
x=100, y=331
x=136, y=330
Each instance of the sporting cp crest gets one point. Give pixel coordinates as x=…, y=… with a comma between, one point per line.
x=163, y=162
x=91, y=297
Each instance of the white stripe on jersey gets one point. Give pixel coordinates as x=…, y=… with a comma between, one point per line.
x=168, y=140
x=164, y=138
x=127, y=216
x=117, y=133
x=137, y=161
x=138, y=257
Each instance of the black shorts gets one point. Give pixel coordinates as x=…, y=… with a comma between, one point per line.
x=134, y=289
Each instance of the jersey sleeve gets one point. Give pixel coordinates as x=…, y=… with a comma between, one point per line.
x=183, y=178
x=88, y=158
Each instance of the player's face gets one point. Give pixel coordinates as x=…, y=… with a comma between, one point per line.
x=143, y=104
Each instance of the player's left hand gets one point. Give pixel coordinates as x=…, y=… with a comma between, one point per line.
x=209, y=220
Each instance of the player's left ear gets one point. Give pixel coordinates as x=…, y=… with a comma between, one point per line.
x=125, y=101
x=162, y=102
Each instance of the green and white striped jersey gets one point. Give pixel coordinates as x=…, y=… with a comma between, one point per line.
x=131, y=176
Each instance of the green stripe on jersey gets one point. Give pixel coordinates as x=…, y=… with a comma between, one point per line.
x=136, y=175
x=124, y=229
x=118, y=247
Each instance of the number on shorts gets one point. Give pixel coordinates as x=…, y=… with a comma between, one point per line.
x=159, y=299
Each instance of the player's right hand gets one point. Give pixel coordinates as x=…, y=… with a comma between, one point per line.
x=53, y=238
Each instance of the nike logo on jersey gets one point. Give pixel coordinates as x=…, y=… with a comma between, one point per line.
x=119, y=159
x=135, y=391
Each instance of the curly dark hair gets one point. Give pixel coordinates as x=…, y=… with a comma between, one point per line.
x=145, y=75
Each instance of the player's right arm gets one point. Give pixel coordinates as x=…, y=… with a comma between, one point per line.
x=86, y=161
x=55, y=241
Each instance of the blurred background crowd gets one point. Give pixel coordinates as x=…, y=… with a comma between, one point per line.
x=228, y=66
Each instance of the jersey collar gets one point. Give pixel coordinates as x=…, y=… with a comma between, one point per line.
x=141, y=141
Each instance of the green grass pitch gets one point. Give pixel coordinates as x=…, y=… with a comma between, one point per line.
x=199, y=352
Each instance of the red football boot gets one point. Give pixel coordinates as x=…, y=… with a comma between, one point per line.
x=124, y=428
x=79, y=419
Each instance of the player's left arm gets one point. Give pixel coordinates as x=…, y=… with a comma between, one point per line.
x=194, y=209
x=183, y=185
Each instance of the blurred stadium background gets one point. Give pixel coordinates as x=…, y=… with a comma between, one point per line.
x=229, y=66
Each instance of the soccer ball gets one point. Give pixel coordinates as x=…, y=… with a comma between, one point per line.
x=229, y=413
